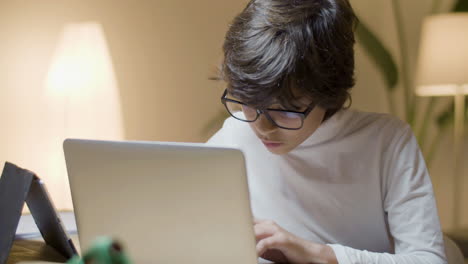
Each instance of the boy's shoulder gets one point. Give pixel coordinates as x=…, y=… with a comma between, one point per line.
x=235, y=125
x=381, y=122
x=232, y=133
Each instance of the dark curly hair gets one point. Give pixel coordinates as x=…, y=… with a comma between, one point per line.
x=277, y=51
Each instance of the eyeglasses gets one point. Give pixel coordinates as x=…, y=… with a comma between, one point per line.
x=286, y=119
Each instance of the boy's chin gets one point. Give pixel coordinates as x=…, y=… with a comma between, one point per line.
x=280, y=150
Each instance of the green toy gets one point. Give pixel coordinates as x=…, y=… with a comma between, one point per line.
x=103, y=251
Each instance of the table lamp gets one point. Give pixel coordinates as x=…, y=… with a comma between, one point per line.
x=442, y=70
x=82, y=87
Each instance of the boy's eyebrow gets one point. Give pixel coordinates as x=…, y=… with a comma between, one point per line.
x=294, y=107
x=298, y=104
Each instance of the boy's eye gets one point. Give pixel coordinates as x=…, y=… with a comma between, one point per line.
x=300, y=107
x=289, y=114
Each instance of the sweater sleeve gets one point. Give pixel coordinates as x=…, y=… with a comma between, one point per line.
x=410, y=208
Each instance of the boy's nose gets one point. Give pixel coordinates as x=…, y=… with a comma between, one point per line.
x=264, y=125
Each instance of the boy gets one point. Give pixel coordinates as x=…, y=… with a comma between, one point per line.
x=333, y=185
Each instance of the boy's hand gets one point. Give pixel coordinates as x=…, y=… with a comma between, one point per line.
x=278, y=245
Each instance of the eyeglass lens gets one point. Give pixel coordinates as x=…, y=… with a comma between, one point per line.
x=249, y=114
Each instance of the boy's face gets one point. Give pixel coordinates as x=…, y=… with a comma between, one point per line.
x=282, y=141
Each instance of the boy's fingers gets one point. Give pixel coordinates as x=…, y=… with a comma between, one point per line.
x=266, y=244
x=263, y=231
x=258, y=221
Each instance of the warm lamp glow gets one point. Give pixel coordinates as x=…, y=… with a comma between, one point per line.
x=82, y=90
x=440, y=89
x=443, y=55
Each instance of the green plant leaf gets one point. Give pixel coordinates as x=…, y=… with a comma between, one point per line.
x=378, y=54
x=446, y=118
x=460, y=6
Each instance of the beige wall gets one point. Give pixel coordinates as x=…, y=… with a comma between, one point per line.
x=163, y=52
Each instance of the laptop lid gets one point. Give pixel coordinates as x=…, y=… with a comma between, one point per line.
x=165, y=202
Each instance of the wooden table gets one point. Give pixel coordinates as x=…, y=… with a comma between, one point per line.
x=36, y=250
x=33, y=250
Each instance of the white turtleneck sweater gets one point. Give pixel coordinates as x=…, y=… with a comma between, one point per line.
x=358, y=183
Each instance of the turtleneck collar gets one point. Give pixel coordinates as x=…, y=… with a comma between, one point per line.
x=327, y=130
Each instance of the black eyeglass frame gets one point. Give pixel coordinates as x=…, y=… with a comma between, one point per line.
x=303, y=114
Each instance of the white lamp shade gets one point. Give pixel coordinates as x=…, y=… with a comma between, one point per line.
x=82, y=98
x=82, y=76
x=443, y=55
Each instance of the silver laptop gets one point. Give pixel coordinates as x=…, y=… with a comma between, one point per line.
x=165, y=202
